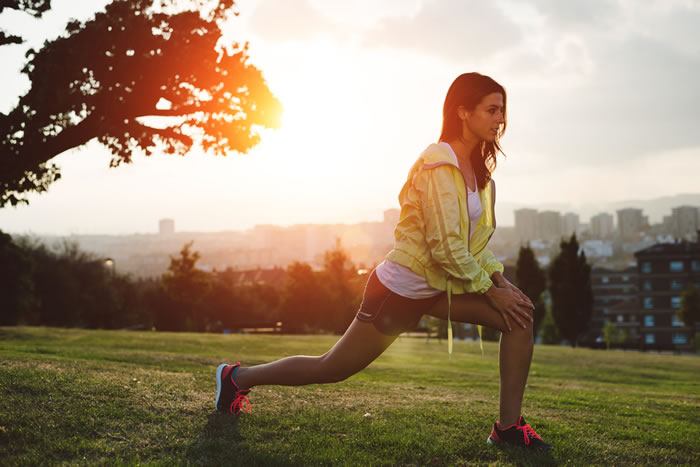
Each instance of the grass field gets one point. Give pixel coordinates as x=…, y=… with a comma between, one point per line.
x=86, y=397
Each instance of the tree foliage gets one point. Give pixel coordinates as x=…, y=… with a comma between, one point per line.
x=185, y=286
x=303, y=303
x=32, y=7
x=550, y=333
x=571, y=291
x=183, y=281
x=689, y=312
x=324, y=300
x=139, y=77
x=16, y=285
x=613, y=335
x=64, y=286
x=343, y=289
x=530, y=278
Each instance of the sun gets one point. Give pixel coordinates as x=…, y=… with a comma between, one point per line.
x=323, y=119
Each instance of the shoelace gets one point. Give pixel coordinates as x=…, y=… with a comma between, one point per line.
x=528, y=433
x=241, y=403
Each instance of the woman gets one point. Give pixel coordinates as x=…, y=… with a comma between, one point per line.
x=439, y=266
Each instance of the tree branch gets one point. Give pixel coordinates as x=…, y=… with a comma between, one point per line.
x=5, y=39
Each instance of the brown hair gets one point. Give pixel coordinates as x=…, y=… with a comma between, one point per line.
x=468, y=90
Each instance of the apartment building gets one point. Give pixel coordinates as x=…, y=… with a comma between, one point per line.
x=602, y=225
x=526, y=224
x=615, y=299
x=665, y=270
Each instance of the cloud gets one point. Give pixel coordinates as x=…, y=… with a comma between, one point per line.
x=641, y=96
x=591, y=80
x=578, y=13
x=591, y=94
x=671, y=24
x=453, y=30
x=282, y=21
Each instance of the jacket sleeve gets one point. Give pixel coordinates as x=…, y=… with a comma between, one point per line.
x=440, y=206
x=489, y=262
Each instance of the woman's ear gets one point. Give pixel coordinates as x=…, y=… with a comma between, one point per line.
x=462, y=113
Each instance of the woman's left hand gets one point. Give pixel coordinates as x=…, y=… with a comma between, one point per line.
x=503, y=283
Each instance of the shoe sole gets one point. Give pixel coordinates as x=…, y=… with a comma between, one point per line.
x=491, y=442
x=219, y=371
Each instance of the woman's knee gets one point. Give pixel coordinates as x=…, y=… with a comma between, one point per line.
x=524, y=334
x=331, y=371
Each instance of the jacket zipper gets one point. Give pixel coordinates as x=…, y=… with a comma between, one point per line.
x=493, y=213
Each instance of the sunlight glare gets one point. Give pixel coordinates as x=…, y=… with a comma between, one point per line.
x=322, y=117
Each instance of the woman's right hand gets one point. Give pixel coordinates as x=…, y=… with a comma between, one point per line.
x=511, y=306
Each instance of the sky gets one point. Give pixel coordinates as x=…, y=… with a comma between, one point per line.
x=603, y=105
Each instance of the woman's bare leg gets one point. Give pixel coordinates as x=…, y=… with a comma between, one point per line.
x=515, y=352
x=358, y=347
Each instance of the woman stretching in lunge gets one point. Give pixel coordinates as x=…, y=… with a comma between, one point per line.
x=439, y=266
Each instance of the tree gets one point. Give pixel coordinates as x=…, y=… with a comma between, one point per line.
x=303, y=302
x=32, y=7
x=340, y=280
x=138, y=77
x=689, y=312
x=186, y=286
x=572, y=294
x=16, y=282
x=74, y=288
x=266, y=301
x=530, y=278
x=613, y=335
x=550, y=333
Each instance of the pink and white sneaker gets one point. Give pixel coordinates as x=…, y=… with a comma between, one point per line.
x=520, y=434
x=229, y=396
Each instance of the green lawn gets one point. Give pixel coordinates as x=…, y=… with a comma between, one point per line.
x=85, y=397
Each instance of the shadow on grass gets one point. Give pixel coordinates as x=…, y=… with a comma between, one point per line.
x=525, y=457
x=223, y=442
x=8, y=334
x=220, y=440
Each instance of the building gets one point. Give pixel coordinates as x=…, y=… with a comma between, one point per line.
x=630, y=222
x=166, y=226
x=615, y=299
x=602, y=225
x=667, y=224
x=665, y=270
x=569, y=224
x=549, y=225
x=597, y=248
x=526, y=224
x=684, y=222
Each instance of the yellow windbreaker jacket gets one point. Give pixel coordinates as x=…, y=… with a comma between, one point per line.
x=432, y=235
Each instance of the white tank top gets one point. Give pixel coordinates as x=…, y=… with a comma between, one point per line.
x=401, y=280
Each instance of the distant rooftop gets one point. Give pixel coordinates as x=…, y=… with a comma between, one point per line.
x=671, y=248
x=604, y=270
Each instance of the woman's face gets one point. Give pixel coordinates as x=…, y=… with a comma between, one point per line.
x=484, y=122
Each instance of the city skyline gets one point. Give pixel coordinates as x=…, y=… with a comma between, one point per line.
x=592, y=116
x=366, y=243
x=662, y=207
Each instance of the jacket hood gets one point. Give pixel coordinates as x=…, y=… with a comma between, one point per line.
x=437, y=154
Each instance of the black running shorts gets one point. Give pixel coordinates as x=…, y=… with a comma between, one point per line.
x=391, y=313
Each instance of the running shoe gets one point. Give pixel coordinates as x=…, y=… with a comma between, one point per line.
x=520, y=434
x=230, y=397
